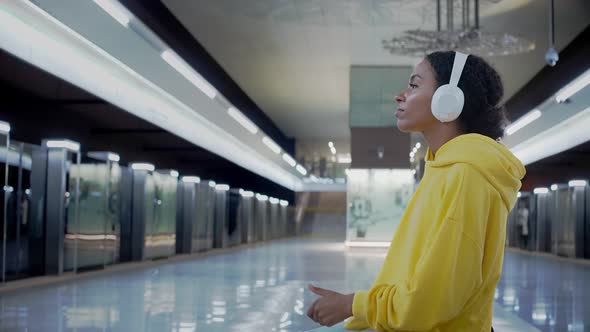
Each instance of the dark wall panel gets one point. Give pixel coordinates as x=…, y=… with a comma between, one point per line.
x=365, y=142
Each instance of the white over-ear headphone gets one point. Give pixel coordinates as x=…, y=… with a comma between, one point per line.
x=447, y=101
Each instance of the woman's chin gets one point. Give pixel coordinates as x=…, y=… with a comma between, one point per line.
x=403, y=126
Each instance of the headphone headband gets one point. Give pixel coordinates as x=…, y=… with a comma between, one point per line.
x=458, y=64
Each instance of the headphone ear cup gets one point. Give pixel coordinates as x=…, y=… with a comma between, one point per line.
x=447, y=103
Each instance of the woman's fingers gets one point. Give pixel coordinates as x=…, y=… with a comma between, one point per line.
x=319, y=291
x=311, y=311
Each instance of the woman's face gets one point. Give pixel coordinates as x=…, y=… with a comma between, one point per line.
x=414, y=113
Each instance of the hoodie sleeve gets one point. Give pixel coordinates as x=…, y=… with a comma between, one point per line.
x=448, y=272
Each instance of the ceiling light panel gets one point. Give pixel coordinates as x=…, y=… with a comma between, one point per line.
x=31, y=34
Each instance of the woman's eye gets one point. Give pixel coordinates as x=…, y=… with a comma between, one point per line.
x=413, y=86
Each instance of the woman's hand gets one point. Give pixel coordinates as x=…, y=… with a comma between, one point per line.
x=331, y=308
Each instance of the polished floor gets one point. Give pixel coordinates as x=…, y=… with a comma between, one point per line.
x=550, y=293
x=263, y=288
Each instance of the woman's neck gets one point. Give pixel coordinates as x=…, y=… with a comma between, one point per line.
x=440, y=134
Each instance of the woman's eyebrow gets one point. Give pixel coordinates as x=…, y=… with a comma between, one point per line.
x=415, y=76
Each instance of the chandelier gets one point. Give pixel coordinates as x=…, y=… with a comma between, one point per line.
x=469, y=38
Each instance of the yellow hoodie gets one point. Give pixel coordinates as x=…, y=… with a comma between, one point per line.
x=445, y=259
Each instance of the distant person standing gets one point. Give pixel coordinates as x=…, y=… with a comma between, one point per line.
x=522, y=222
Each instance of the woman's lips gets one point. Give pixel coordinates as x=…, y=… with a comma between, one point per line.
x=398, y=112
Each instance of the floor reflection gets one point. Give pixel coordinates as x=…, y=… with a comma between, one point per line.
x=264, y=289
x=549, y=293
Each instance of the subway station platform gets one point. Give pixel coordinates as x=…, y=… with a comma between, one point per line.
x=263, y=288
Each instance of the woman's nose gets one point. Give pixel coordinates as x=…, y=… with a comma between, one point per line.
x=399, y=98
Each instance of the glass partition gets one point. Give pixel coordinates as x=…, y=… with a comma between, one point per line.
x=16, y=159
x=376, y=201
x=98, y=230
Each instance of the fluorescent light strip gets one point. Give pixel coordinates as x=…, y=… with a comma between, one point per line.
x=30, y=33
x=367, y=244
x=261, y=197
x=577, y=183
x=523, y=121
x=344, y=159
x=143, y=167
x=174, y=173
x=90, y=237
x=63, y=144
x=301, y=170
x=571, y=89
x=191, y=179
x=212, y=184
x=519, y=195
x=271, y=144
x=113, y=157
x=243, y=120
x=114, y=9
x=541, y=190
x=247, y=194
x=289, y=160
x=554, y=187
x=189, y=73
x=284, y=203
x=4, y=127
x=222, y=187
x=563, y=136
x=273, y=200
x=104, y=156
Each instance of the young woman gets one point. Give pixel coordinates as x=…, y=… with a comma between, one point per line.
x=446, y=256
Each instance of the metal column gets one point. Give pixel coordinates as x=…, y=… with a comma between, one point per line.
x=187, y=213
x=55, y=211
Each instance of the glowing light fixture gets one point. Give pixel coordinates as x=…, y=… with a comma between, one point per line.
x=191, y=179
x=271, y=144
x=301, y=170
x=523, y=121
x=542, y=190
x=247, y=194
x=222, y=187
x=63, y=144
x=190, y=74
x=143, y=167
x=114, y=9
x=577, y=183
x=571, y=89
x=243, y=120
x=261, y=197
x=344, y=159
x=289, y=160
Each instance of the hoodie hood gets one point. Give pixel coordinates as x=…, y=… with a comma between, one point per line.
x=492, y=159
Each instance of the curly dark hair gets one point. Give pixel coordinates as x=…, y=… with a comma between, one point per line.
x=482, y=88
